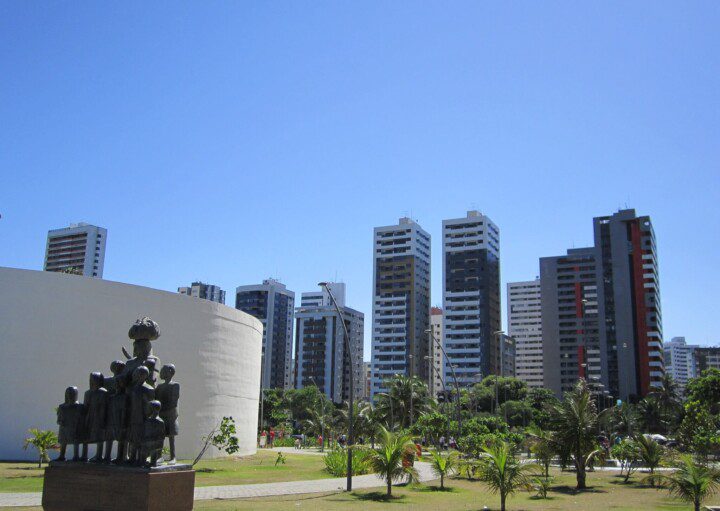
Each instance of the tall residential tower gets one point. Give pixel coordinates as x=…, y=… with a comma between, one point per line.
x=273, y=305
x=401, y=302
x=471, y=297
x=525, y=326
x=204, y=291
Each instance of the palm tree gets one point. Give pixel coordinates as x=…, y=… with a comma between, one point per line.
x=42, y=440
x=651, y=453
x=389, y=459
x=444, y=465
x=620, y=420
x=575, y=420
x=406, y=398
x=691, y=482
x=503, y=472
x=667, y=394
x=654, y=416
x=543, y=447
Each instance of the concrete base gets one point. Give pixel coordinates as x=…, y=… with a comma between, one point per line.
x=91, y=487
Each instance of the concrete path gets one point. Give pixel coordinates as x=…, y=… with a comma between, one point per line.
x=244, y=491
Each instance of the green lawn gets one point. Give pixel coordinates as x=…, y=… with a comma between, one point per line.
x=258, y=468
x=607, y=493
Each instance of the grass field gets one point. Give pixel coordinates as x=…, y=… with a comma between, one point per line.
x=258, y=468
x=607, y=493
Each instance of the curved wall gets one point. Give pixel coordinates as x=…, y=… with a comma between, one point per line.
x=55, y=329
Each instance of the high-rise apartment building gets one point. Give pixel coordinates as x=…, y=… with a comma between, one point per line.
x=204, y=291
x=679, y=361
x=273, y=305
x=321, y=358
x=401, y=302
x=436, y=356
x=704, y=358
x=79, y=248
x=471, y=297
x=524, y=309
x=601, y=315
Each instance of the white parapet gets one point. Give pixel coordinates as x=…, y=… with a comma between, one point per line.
x=55, y=329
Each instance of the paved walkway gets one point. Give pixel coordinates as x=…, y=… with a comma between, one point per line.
x=244, y=491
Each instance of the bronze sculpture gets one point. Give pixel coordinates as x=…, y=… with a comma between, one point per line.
x=69, y=415
x=168, y=393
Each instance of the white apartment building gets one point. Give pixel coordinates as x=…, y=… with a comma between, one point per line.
x=525, y=326
x=321, y=359
x=471, y=297
x=401, y=302
x=80, y=247
x=679, y=360
x=205, y=291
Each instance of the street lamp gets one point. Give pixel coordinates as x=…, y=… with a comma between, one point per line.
x=452, y=368
x=351, y=438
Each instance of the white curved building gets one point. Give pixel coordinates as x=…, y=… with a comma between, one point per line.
x=55, y=329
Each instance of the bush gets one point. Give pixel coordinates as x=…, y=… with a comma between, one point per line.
x=287, y=441
x=336, y=462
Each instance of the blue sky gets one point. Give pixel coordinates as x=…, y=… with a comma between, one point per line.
x=232, y=141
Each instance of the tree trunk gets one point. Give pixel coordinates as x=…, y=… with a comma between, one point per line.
x=502, y=501
x=442, y=482
x=389, y=489
x=580, y=469
x=40, y=461
x=697, y=504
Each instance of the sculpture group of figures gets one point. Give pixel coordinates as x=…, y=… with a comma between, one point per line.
x=128, y=408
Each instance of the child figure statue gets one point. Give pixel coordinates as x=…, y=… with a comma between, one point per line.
x=111, y=384
x=96, y=414
x=153, y=435
x=69, y=416
x=168, y=393
x=117, y=426
x=140, y=396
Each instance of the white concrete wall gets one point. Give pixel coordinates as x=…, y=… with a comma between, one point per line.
x=55, y=329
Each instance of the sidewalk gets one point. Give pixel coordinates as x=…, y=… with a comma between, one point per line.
x=245, y=491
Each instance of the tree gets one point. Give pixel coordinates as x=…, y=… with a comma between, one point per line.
x=620, y=420
x=626, y=452
x=575, y=420
x=542, y=401
x=432, y=426
x=691, y=482
x=443, y=465
x=503, y=472
x=650, y=453
x=388, y=460
x=405, y=398
x=698, y=430
x=518, y=413
x=667, y=395
x=705, y=390
x=43, y=441
x=543, y=447
x=653, y=415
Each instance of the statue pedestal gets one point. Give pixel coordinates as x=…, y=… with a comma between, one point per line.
x=97, y=487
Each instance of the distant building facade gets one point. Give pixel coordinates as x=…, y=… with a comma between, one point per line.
x=321, y=358
x=204, y=291
x=471, y=297
x=401, y=303
x=436, y=356
x=524, y=309
x=601, y=316
x=79, y=248
x=273, y=304
x=679, y=361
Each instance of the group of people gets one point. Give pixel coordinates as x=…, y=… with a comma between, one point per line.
x=128, y=408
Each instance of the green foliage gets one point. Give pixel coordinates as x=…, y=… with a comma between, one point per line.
x=336, y=462
x=390, y=460
x=431, y=425
x=543, y=447
x=518, y=413
x=705, y=390
x=224, y=438
x=285, y=441
x=394, y=406
x=280, y=459
x=575, y=425
x=542, y=485
x=502, y=472
x=691, y=482
x=481, y=432
x=650, y=453
x=626, y=452
x=542, y=401
x=482, y=396
x=698, y=431
x=443, y=465
x=43, y=441
x=621, y=420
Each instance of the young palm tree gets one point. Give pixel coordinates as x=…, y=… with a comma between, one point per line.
x=575, y=421
x=543, y=447
x=444, y=465
x=691, y=482
x=405, y=398
x=42, y=441
x=387, y=459
x=503, y=472
x=651, y=454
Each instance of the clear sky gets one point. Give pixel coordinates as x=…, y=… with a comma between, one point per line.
x=232, y=141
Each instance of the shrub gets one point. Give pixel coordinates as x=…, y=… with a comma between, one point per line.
x=336, y=462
